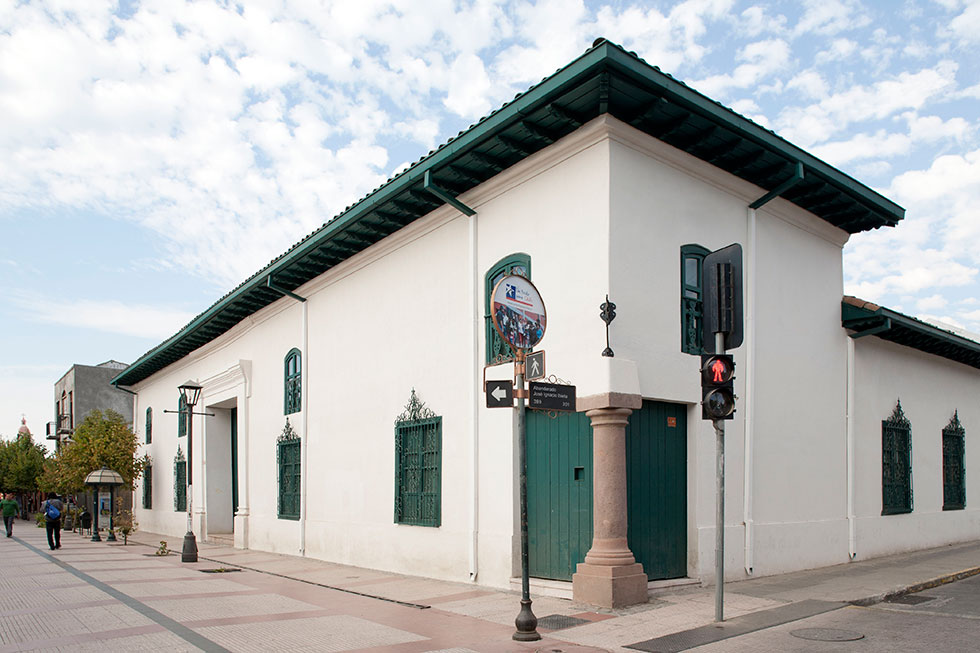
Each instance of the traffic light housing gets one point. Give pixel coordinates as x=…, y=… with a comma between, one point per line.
x=717, y=386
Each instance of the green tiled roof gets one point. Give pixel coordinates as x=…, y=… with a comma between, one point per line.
x=866, y=319
x=606, y=79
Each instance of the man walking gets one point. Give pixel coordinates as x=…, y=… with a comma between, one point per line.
x=52, y=509
x=9, y=509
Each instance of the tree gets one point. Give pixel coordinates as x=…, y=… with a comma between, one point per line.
x=21, y=464
x=101, y=440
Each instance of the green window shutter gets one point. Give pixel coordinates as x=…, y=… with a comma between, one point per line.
x=148, y=487
x=289, y=458
x=692, y=299
x=499, y=351
x=418, y=466
x=180, y=482
x=181, y=417
x=149, y=425
x=896, y=463
x=292, y=382
x=954, y=469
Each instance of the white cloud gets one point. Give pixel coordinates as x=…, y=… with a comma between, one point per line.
x=966, y=26
x=840, y=49
x=863, y=146
x=809, y=82
x=761, y=60
x=109, y=316
x=828, y=17
x=756, y=20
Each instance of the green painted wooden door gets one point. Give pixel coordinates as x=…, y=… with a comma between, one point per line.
x=656, y=476
x=559, y=493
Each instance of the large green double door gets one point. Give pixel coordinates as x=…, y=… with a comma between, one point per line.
x=559, y=460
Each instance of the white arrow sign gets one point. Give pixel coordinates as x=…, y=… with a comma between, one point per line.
x=499, y=393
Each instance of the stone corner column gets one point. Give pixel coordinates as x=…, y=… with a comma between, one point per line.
x=610, y=576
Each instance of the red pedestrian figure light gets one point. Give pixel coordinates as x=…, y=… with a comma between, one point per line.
x=718, y=369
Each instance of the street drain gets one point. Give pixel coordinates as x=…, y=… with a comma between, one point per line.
x=910, y=599
x=560, y=621
x=827, y=634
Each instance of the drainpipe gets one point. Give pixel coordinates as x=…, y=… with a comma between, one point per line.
x=750, y=362
x=849, y=436
x=431, y=187
x=304, y=405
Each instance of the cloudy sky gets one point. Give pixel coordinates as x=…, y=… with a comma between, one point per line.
x=154, y=154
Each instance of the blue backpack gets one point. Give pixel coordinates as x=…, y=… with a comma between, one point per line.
x=52, y=511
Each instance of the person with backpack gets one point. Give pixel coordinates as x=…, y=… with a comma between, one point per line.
x=9, y=507
x=52, y=510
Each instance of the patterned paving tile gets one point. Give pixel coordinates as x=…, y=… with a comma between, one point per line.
x=330, y=634
x=21, y=628
x=220, y=607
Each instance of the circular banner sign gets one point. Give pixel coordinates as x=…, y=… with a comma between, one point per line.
x=518, y=312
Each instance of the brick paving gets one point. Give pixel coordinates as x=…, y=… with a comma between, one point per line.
x=99, y=596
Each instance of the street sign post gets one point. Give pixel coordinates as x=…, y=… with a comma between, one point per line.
x=551, y=396
x=500, y=394
x=535, y=366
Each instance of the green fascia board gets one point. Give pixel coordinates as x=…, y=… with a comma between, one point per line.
x=911, y=332
x=603, y=56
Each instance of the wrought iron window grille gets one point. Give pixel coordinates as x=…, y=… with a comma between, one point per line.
x=148, y=487
x=289, y=463
x=954, y=469
x=896, y=463
x=692, y=303
x=418, y=465
x=180, y=482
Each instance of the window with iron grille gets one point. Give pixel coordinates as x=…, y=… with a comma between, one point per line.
x=692, y=303
x=289, y=457
x=896, y=463
x=418, y=463
x=498, y=351
x=149, y=425
x=954, y=472
x=180, y=482
x=148, y=487
x=181, y=417
x=292, y=384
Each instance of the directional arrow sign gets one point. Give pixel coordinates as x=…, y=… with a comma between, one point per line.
x=534, y=366
x=500, y=394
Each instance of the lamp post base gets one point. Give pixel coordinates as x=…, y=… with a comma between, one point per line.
x=189, y=552
x=95, y=535
x=527, y=624
x=111, y=537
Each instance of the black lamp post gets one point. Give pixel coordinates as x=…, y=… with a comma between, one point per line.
x=191, y=392
x=97, y=479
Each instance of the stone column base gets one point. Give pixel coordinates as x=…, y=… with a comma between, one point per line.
x=609, y=586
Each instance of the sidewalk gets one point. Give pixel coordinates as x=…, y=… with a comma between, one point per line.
x=94, y=596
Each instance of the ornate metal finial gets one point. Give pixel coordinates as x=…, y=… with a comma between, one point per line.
x=608, y=314
x=415, y=410
x=287, y=433
x=180, y=455
x=898, y=416
x=954, y=427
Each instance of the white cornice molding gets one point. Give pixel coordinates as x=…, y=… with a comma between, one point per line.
x=228, y=379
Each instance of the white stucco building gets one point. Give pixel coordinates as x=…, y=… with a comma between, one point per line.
x=607, y=178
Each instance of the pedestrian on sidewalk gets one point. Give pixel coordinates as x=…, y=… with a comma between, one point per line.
x=53, y=524
x=9, y=508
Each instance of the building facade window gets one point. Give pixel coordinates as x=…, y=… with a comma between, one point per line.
x=292, y=382
x=148, y=487
x=418, y=465
x=181, y=417
x=896, y=463
x=149, y=425
x=289, y=457
x=954, y=471
x=692, y=297
x=498, y=351
x=180, y=482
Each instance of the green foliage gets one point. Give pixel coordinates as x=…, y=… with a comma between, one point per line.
x=101, y=440
x=21, y=464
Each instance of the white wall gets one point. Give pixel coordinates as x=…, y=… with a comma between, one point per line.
x=930, y=388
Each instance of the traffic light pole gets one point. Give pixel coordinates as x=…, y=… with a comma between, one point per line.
x=719, y=425
x=526, y=622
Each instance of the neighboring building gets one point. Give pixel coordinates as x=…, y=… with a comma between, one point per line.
x=344, y=381
x=81, y=390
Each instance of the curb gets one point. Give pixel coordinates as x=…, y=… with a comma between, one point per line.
x=917, y=587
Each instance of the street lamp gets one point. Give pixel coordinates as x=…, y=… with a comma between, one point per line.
x=191, y=392
x=97, y=479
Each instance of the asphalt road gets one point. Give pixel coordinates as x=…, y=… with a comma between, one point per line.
x=942, y=619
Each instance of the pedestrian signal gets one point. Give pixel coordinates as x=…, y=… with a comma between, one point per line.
x=717, y=386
